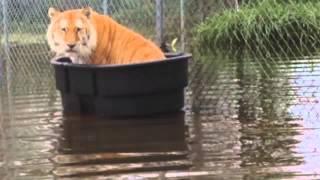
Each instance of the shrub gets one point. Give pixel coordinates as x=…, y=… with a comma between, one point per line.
x=270, y=25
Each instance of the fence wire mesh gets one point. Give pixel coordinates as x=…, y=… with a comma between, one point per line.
x=253, y=60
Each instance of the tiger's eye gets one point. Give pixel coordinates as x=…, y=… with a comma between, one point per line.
x=64, y=29
x=78, y=29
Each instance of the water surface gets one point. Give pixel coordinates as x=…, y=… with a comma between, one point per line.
x=244, y=119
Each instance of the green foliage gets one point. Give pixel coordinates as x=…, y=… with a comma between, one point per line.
x=268, y=26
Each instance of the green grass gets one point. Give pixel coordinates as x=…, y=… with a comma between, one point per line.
x=267, y=26
x=25, y=38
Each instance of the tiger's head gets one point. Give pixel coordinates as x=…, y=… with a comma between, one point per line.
x=71, y=33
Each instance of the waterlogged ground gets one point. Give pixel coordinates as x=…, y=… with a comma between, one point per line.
x=244, y=119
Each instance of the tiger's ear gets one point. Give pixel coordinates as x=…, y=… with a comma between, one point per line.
x=52, y=12
x=87, y=11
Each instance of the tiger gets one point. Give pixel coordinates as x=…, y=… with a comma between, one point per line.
x=87, y=37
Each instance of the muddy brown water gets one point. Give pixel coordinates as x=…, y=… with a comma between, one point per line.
x=243, y=119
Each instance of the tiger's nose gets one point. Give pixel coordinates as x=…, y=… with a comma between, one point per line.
x=71, y=46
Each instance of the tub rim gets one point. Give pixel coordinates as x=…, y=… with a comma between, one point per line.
x=175, y=57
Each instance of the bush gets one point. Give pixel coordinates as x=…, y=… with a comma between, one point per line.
x=268, y=26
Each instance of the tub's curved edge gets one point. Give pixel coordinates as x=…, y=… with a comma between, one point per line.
x=180, y=56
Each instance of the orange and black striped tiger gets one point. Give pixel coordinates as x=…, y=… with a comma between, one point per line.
x=88, y=37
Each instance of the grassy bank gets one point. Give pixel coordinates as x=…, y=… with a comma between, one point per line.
x=267, y=26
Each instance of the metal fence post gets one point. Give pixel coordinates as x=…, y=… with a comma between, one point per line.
x=4, y=60
x=5, y=28
x=182, y=25
x=6, y=56
x=159, y=21
x=237, y=5
x=105, y=5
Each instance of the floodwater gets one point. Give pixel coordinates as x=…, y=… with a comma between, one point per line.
x=243, y=119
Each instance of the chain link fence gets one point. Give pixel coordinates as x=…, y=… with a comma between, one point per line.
x=25, y=55
x=260, y=52
x=245, y=102
x=23, y=27
x=24, y=51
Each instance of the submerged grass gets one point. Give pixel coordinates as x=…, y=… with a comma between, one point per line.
x=267, y=26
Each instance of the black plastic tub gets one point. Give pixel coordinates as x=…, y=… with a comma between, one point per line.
x=123, y=90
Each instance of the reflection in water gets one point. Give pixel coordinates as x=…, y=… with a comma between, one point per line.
x=268, y=134
x=91, y=146
x=244, y=109
x=306, y=85
x=30, y=121
x=244, y=118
